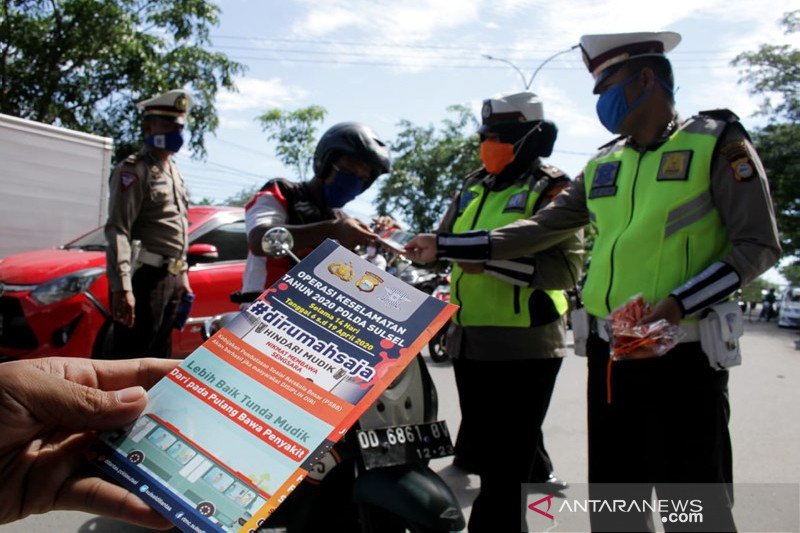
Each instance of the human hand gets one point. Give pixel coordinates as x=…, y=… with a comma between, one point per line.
x=351, y=232
x=123, y=305
x=668, y=309
x=50, y=410
x=472, y=268
x=422, y=248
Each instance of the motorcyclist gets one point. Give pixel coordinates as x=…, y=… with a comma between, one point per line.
x=348, y=158
x=768, y=306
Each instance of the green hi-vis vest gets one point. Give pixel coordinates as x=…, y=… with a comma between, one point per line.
x=656, y=223
x=483, y=299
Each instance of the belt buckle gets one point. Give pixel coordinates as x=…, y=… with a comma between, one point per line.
x=175, y=266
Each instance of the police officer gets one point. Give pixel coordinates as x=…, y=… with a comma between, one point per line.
x=684, y=217
x=147, y=233
x=348, y=158
x=507, y=338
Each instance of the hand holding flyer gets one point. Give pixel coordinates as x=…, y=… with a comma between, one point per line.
x=233, y=430
x=634, y=340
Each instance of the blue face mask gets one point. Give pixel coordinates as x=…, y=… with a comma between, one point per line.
x=344, y=187
x=171, y=142
x=613, y=107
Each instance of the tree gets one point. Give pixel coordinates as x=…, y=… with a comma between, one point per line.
x=295, y=133
x=792, y=273
x=774, y=70
x=82, y=64
x=241, y=198
x=428, y=166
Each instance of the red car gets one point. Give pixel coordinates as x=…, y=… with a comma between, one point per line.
x=55, y=301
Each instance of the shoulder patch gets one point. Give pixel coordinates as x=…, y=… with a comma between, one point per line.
x=726, y=115
x=127, y=179
x=738, y=157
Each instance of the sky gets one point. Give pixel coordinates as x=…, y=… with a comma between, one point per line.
x=383, y=61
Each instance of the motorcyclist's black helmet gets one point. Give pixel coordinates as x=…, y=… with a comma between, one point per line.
x=357, y=140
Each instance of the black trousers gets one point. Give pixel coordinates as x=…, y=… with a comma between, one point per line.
x=157, y=294
x=516, y=395
x=665, y=421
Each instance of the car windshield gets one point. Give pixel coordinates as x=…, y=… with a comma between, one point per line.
x=94, y=240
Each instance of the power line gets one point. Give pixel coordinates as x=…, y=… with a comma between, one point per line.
x=371, y=45
x=475, y=66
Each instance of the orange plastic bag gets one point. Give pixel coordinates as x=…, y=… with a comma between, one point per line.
x=631, y=340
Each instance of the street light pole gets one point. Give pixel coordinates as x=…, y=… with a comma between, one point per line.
x=527, y=83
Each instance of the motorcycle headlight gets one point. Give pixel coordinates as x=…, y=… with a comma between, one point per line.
x=66, y=286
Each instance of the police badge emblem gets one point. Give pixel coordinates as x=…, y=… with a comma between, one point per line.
x=605, y=180
x=674, y=166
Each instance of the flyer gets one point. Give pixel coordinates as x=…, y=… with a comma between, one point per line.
x=232, y=430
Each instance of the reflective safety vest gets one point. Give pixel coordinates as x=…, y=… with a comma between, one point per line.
x=657, y=226
x=485, y=300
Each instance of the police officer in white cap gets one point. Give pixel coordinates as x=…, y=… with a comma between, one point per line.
x=684, y=218
x=147, y=234
x=507, y=338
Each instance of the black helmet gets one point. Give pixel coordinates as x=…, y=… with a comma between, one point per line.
x=355, y=139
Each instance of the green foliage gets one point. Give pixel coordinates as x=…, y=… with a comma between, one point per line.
x=775, y=69
x=82, y=64
x=205, y=200
x=427, y=168
x=778, y=147
x=242, y=197
x=792, y=273
x=753, y=292
x=295, y=134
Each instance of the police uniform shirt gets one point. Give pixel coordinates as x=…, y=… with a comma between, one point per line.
x=553, y=267
x=743, y=203
x=149, y=202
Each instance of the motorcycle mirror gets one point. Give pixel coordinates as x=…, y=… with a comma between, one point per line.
x=278, y=242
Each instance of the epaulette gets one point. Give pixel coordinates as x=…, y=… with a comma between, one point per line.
x=610, y=143
x=552, y=171
x=725, y=115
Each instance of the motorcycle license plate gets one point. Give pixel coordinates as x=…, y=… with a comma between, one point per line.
x=399, y=445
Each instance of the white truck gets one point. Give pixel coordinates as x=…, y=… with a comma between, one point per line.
x=53, y=184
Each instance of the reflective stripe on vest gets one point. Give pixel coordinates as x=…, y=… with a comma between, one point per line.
x=656, y=224
x=484, y=299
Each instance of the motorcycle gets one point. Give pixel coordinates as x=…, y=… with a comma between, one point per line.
x=436, y=346
x=376, y=478
x=418, y=277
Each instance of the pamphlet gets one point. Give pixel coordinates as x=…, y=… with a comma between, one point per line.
x=232, y=430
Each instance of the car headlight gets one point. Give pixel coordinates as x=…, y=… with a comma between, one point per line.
x=66, y=286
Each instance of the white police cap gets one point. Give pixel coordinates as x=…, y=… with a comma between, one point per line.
x=601, y=52
x=517, y=107
x=173, y=105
